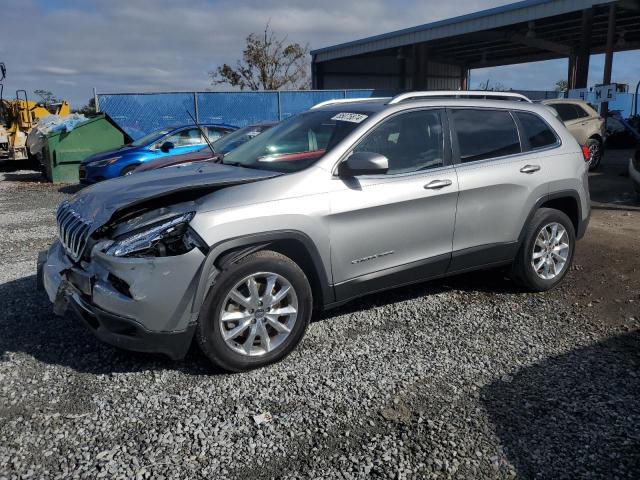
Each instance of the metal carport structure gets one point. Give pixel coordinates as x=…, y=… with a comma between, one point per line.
x=439, y=55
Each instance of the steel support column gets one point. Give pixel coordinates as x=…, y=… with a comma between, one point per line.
x=608, y=55
x=583, y=52
x=464, y=78
x=571, y=72
x=419, y=80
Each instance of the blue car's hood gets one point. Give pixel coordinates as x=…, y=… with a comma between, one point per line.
x=109, y=153
x=98, y=203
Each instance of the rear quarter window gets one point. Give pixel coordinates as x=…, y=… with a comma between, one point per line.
x=536, y=131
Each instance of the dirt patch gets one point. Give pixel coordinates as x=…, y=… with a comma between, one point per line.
x=606, y=272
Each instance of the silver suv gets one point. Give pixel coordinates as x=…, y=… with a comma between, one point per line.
x=346, y=199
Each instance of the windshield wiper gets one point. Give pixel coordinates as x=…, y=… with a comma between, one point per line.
x=233, y=164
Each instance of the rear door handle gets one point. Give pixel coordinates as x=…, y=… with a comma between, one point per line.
x=436, y=184
x=530, y=168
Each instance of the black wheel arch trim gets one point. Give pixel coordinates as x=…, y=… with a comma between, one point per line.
x=234, y=249
x=582, y=223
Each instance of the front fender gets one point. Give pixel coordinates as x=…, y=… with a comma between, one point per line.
x=247, y=244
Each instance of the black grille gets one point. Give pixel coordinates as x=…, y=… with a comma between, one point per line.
x=73, y=231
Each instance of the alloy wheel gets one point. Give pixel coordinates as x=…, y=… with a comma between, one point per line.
x=258, y=313
x=550, y=251
x=594, y=154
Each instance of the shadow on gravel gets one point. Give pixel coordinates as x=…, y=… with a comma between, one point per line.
x=28, y=325
x=32, y=177
x=573, y=416
x=74, y=188
x=15, y=165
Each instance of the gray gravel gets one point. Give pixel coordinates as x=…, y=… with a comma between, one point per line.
x=460, y=378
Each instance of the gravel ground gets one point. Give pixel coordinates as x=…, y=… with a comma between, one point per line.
x=466, y=377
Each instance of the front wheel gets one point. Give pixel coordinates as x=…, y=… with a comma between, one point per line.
x=128, y=170
x=546, y=252
x=256, y=313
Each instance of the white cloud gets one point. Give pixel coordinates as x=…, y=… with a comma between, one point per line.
x=56, y=70
x=154, y=45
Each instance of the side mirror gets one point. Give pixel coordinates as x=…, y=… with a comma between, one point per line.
x=363, y=163
x=166, y=146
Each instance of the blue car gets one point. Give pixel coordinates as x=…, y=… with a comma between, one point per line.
x=158, y=144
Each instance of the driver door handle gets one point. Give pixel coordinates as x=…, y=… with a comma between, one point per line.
x=530, y=168
x=436, y=184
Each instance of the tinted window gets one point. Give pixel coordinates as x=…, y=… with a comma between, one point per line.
x=214, y=133
x=581, y=112
x=191, y=136
x=566, y=111
x=537, y=132
x=485, y=134
x=237, y=138
x=411, y=141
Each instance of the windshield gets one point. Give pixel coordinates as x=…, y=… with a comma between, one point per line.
x=297, y=142
x=150, y=137
x=235, y=139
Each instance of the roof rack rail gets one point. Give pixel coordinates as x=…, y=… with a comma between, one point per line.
x=346, y=100
x=487, y=94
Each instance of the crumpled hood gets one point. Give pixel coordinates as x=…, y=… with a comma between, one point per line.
x=108, y=154
x=98, y=203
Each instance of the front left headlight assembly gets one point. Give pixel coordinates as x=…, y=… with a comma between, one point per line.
x=103, y=163
x=167, y=238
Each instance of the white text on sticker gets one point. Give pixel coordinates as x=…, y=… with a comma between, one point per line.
x=349, y=117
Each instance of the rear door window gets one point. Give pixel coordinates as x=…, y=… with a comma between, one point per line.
x=536, y=131
x=566, y=111
x=186, y=138
x=483, y=134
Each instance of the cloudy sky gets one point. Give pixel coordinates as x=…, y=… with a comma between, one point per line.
x=69, y=47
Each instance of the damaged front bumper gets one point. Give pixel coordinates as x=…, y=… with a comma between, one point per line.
x=140, y=304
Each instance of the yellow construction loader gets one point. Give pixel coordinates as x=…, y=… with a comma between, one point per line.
x=18, y=117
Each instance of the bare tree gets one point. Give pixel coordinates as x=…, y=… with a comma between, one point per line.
x=562, y=86
x=47, y=96
x=268, y=63
x=495, y=87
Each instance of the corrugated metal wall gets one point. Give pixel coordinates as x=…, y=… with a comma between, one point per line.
x=442, y=76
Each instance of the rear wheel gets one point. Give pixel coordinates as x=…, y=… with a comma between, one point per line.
x=595, y=152
x=256, y=313
x=546, y=252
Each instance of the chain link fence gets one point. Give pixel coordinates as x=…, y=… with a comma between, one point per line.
x=142, y=113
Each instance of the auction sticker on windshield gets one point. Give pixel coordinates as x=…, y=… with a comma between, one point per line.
x=349, y=117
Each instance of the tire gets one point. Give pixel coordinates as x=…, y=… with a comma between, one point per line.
x=523, y=271
x=595, y=153
x=232, y=354
x=128, y=170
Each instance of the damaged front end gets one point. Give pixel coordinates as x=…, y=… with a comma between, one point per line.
x=130, y=273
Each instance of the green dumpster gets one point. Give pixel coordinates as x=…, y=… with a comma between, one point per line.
x=64, y=150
